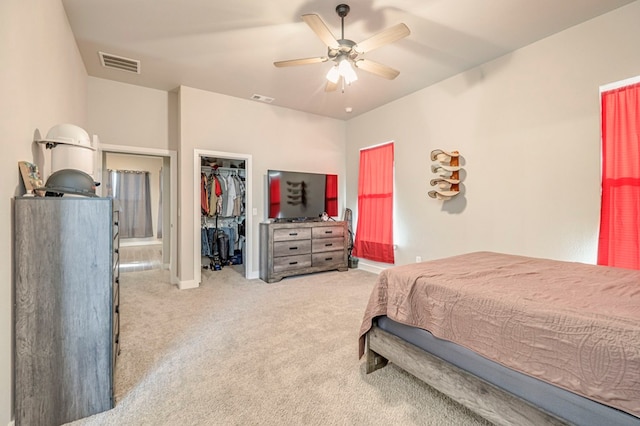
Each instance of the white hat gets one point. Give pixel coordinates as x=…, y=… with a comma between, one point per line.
x=443, y=195
x=67, y=134
x=438, y=153
x=445, y=180
x=438, y=168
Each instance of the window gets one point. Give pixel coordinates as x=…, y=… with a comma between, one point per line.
x=374, y=231
x=132, y=190
x=619, y=240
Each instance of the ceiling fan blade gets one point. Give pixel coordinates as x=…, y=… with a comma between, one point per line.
x=322, y=31
x=331, y=87
x=377, y=69
x=387, y=36
x=305, y=61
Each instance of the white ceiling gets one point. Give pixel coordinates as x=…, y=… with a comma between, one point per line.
x=229, y=46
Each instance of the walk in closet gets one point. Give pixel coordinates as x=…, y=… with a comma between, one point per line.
x=223, y=212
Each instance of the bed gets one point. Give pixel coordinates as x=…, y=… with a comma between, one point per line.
x=518, y=340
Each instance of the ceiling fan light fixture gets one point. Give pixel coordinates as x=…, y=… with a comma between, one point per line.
x=344, y=52
x=333, y=75
x=347, y=71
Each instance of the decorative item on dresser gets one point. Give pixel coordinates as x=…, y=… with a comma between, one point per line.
x=66, y=308
x=295, y=248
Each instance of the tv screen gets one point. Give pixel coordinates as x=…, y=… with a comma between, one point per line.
x=300, y=195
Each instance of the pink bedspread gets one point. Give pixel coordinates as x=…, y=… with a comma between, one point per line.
x=574, y=325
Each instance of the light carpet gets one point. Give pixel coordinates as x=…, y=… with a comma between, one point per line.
x=243, y=352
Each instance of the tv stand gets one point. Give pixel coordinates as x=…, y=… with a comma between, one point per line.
x=295, y=248
x=297, y=220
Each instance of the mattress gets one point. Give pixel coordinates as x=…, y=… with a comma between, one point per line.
x=573, y=408
x=572, y=325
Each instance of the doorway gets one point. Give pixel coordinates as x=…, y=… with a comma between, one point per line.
x=160, y=249
x=227, y=164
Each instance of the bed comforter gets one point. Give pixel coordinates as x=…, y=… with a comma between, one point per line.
x=574, y=325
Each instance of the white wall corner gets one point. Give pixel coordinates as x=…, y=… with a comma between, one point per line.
x=185, y=285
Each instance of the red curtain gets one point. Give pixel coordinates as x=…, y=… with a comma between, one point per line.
x=331, y=195
x=274, y=197
x=374, y=231
x=619, y=241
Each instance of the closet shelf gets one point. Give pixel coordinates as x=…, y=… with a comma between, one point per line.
x=222, y=169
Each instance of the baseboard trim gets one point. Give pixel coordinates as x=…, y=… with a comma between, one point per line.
x=185, y=285
x=370, y=268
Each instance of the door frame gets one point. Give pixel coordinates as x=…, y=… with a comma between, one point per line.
x=173, y=194
x=197, y=241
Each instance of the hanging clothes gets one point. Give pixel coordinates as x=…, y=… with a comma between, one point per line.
x=222, y=198
x=214, y=193
x=230, y=196
x=204, y=198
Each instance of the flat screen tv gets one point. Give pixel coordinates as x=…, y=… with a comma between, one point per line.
x=301, y=195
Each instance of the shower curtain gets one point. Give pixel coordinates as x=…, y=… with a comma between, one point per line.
x=132, y=190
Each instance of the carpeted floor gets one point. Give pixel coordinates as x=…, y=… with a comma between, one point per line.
x=243, y=352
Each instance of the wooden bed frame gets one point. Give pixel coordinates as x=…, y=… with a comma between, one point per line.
x=481, y=397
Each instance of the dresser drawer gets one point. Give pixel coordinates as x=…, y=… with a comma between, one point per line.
x=328, y=231
x=290, y=263
x=115, y=342
x=116, y=222
x=327, y=244
x=292, y=234
x=116, y=259
x=328, y=259
x=116, y=291
x=290, y=248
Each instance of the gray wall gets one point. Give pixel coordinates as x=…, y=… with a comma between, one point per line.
x=527, y=126
x=43, y=82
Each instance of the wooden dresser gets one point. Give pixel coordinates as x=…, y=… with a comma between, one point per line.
x=296, y=248
x=66, y=308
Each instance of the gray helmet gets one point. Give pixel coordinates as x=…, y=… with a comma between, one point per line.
x=70, y=181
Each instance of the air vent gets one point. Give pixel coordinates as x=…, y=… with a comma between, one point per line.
x=119, y=63
x=261, y=98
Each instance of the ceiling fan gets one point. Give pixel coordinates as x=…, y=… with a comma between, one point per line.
x=345, y=53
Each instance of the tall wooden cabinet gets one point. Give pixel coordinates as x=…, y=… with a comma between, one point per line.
x=66, y=308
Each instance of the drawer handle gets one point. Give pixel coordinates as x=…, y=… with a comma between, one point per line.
x=116, y=251
x=118, y=280
x=293, y=248
x=328, y=232
x=328, y=258
x=293, y=234
x=293, y=263
x=115, y=223
x=328, y=244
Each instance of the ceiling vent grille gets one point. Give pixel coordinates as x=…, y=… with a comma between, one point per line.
x=119, y=63
x=262, y=98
